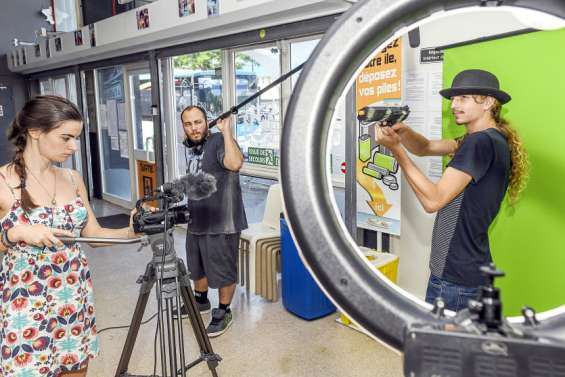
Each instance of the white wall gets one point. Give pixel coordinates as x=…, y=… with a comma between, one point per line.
x=414, y=244
x=118, y=35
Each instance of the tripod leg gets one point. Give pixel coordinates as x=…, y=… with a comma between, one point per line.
x=147, y=280
x=171, y=336
x=207, y=353
x=180, y=333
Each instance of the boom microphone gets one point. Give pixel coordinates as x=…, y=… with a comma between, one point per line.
x=195, y=186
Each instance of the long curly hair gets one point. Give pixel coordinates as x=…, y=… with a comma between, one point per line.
x=42, y=112
x=520, y=163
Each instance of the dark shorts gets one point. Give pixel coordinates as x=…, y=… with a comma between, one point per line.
x=455, y=296
x=214, y=257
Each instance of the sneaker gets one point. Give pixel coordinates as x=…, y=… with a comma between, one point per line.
x=202, y=307
x=221, y=321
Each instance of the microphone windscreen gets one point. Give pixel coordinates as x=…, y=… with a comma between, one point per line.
x=199, y=186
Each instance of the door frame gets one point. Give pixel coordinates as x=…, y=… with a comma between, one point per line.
x=132, y=166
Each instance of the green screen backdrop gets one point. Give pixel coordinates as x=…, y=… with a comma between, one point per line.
x=528, y=243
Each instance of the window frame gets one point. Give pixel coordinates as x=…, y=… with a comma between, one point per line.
x=250, y=169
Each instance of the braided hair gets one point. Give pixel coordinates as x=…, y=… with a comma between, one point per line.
x=42, y=112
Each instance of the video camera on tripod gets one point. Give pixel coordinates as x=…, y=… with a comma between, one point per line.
x=195, y=186
x=168, y=274
x=148, y=222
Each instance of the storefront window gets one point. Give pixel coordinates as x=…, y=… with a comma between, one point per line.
x=258, y=123
x=197, y=81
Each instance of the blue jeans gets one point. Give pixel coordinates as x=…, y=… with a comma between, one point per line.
x=455, y=296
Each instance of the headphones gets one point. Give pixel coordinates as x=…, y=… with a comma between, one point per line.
x=197, y=148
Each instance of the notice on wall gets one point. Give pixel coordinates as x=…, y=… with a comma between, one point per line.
x=124, y=145
x=102, y=116
x=142, y=18
x=262, y=156
x=112, y=117
x=434, y=125
x=422, y=96
x=381, y=79
x=114, y=143
x=415, y=93
x=431, y=55
x=377, y=171
x=435, y=168
x=146, y=180
x=213, y=8
x=92, y=32
x=121, y=116
x=435, y=85
x=186, y=7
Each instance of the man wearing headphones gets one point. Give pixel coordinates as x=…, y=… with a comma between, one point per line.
x=212, y=239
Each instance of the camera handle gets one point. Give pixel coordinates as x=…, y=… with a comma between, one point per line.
x=144, y=240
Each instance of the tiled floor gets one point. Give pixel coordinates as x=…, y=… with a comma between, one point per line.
x=265, y=339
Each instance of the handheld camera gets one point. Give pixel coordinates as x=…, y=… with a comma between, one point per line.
x=386, y=116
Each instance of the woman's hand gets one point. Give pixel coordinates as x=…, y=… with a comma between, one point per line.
x=387, y=137
x=38, y=235
x=131, y=232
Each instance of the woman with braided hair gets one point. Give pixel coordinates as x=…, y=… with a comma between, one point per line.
x=488, y=163
x=47, y=320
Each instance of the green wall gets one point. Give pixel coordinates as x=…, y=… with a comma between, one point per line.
x=529, y=244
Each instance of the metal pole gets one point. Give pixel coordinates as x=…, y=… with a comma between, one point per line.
x=350, y=162
x=156, y=112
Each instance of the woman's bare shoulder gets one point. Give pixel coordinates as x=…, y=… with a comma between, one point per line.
x=9, y=175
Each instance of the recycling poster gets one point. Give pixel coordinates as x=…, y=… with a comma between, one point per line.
x=377, y=171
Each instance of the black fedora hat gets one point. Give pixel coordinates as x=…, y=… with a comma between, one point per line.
x=476, y=81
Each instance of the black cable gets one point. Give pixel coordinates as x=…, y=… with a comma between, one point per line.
x=126, y=326
x=158, y=293
x=155, y=351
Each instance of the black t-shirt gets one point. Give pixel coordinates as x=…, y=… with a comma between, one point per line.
x=460, y=244
x=223, y=211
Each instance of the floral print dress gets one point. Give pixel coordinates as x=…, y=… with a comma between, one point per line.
x=47, y=322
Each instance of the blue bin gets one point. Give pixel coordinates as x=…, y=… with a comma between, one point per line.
x=300, y=293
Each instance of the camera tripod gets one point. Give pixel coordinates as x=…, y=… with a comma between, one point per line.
x=171, y=278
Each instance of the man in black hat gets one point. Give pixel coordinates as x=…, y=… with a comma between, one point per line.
x=469, y=194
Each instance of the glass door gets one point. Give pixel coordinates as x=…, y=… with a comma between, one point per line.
x=114, y=137
x=258, y=124
x=195, y=79
x=140, y=112
x=141, y=123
